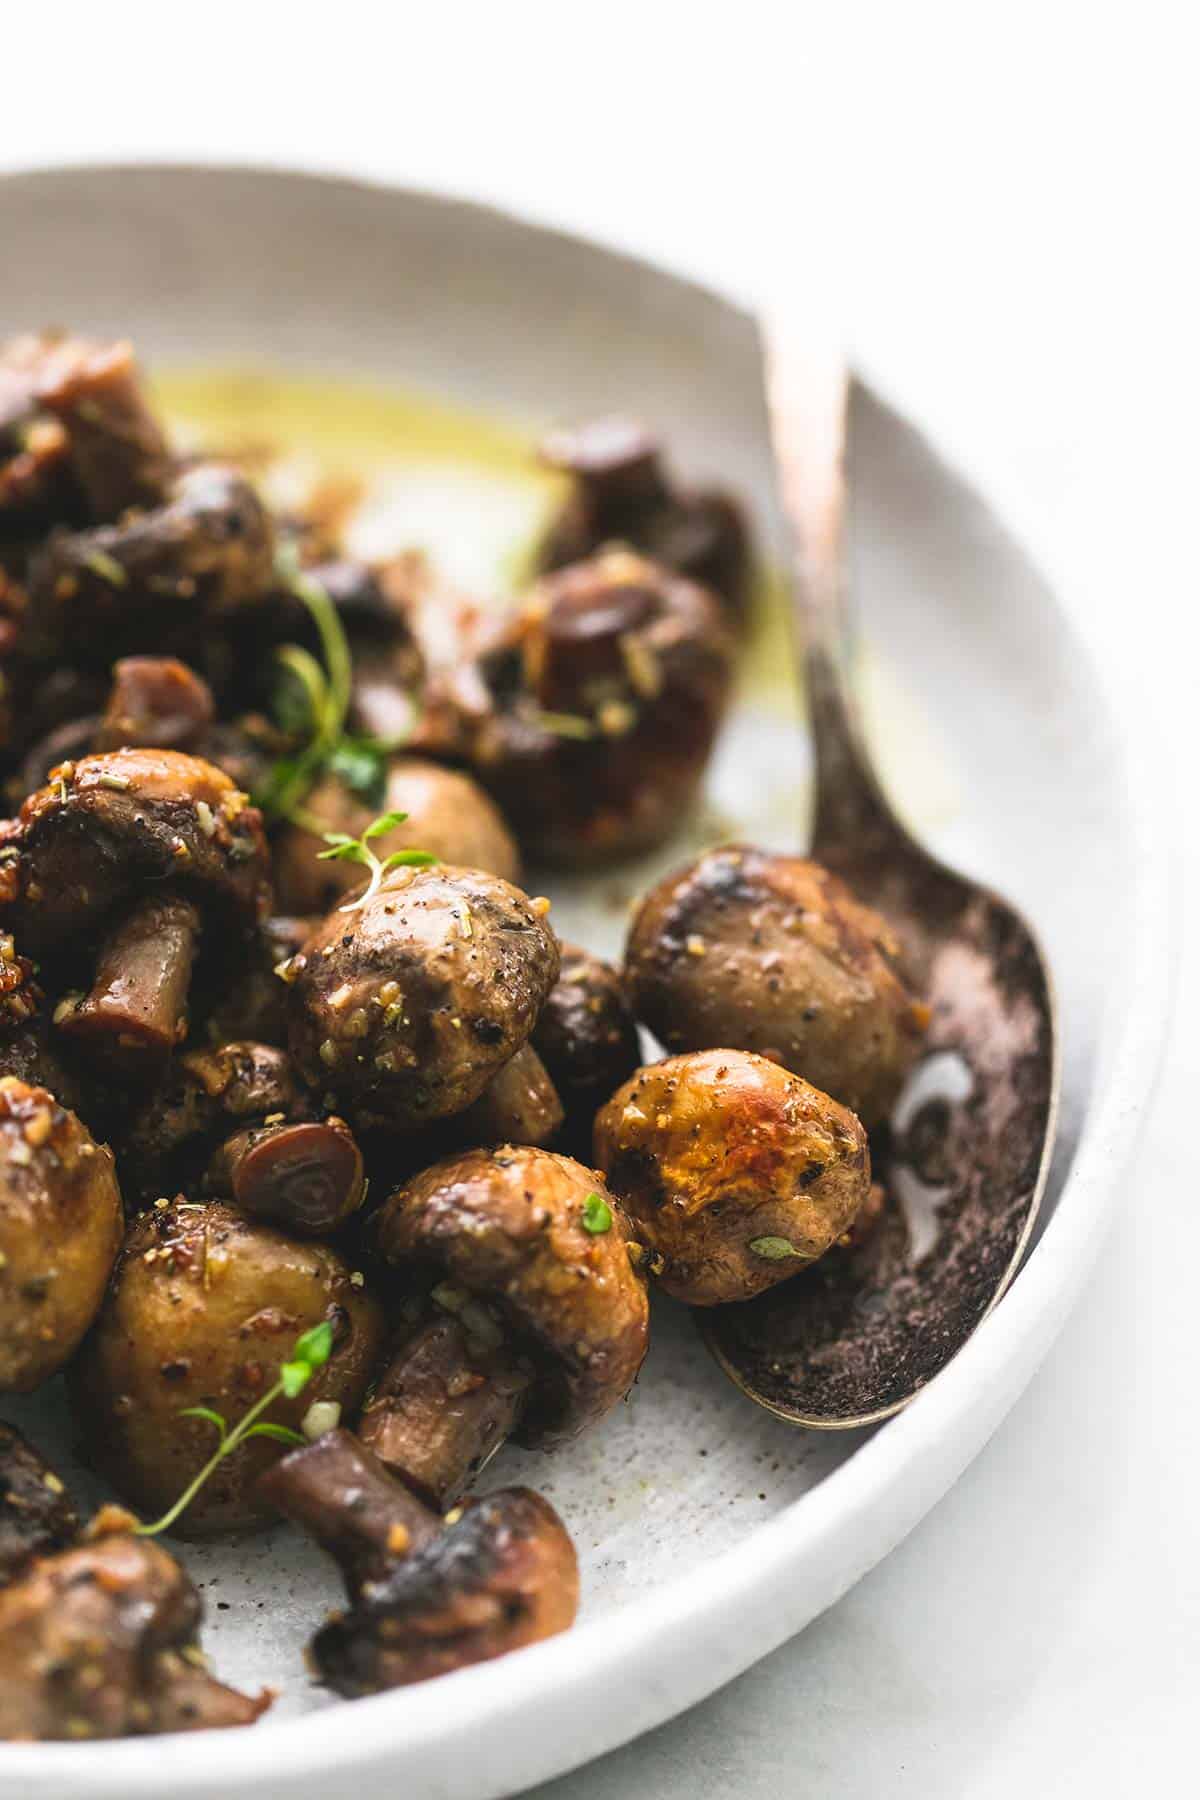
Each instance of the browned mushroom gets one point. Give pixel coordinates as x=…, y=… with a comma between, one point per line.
x=449, y=815
x=753, y=951
x=427, y=1595
x=36, y=1513
x=60, y=1229
x=598, y=711
x=405, y=1004
x=519, y=1105
x=621, y=494
x=306, y=1177
x=118, y=451
x=156, y=702
x=586, y=1035
x=735, y=1172
x=132, y=844
x=250, y=996
x=203, y=1307
x=530, y=1254
x=100, y=1641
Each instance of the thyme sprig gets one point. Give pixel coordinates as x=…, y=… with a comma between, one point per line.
x=344, y=848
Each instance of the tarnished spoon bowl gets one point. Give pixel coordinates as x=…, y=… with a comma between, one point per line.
x=965, y=1158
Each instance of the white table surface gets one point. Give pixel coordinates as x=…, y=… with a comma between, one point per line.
x=997, y=201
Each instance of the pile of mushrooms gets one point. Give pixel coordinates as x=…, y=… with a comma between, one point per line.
x=326, y=1168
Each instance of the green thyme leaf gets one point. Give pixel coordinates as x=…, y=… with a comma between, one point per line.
x=106, y=567
x=409, y=859
x=775, y=1249
x=597, y=1214
x=385, y=822
x=361, y=765
x=207, y=1413
x=281, y=1434
x=315, y=1345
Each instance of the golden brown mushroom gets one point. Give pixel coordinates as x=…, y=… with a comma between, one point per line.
x=735, y=1173
x=753, y=951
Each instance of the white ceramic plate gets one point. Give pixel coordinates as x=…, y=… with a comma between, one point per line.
x=708, y=1531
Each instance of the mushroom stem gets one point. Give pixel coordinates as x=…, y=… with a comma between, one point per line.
x=137, y=1006
x=442, y=1408
x=307, y=1177
x=344, y=1498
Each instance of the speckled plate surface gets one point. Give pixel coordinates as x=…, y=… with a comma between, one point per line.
x=708, y=1531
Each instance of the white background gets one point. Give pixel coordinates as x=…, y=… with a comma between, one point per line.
x=1000, y=202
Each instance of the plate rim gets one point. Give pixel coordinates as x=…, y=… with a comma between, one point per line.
x=645, y=1660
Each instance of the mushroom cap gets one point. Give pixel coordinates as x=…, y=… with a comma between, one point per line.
x=754, y=951
x=735, y=1172
x=622, y=674
x=502, y=1575
x=507, y=1226
x=449, y=815
x=586, y=1033
x=36, y=1512
x=106, y=826
x=204, y=1306
x=405, y=1007
x=100, y=1642
x=60, y=1229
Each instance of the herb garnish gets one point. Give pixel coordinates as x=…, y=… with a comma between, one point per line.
x=775, y=1249
x=597, y=1214
x=344, y=848
x=309, y=1353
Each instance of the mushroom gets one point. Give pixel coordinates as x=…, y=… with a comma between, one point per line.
x=117, y=449
x=36, y=1513
x=754, y=951
x=735, y=1172
x=449, y=815
x=203, y=1307
x=620, y=493
x=428, y=1595
x=530, y=1254
x=519, y=1105
x=405, y=1003
x=156, y=580
x=156, y=702
x=586, y=1034
x=132, y=845
x=60, y=1229
x=598, y=710
x=100, y=1641
x=306, y=1177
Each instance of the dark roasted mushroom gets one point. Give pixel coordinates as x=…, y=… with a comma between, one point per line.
x=519, y=1105
x=527, y=1252
x=117, y=449
x=204, y=1306
x=752, y=951
x=586, y=1035
x=60, y=1229
x=599, y=710
x=133, y=844
x=101, y=1642
x=156, y=702
x=306, y=1177
x=449, y=815
x=406, y=1006
x=735, y=1173
x=621, y=494
x=36, y=1513
x=427, y=1595
x=251, y=998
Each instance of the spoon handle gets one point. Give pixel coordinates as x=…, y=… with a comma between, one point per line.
x=807, y=390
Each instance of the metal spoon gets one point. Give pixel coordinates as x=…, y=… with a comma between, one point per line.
x=964, y=1163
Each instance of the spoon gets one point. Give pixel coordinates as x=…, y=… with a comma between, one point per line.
x=964, y=1160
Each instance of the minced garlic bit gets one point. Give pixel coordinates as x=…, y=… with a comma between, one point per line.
x=66, y=1007
x=398, y=1538
x=119, y=784
x=453, y=1516
x=696, y=946
x=328, y=1052
x=37, y=1128
x=540, y=905
x=322, y=1416
x=204, y=813
x=286, y=970
x=341, y=996
x=275, y=1118
x=357, y=1278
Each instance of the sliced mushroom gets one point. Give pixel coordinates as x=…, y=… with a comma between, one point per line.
x=60, y=1229
x=526, y=1249
x=735, y=1173
x=427, y=1595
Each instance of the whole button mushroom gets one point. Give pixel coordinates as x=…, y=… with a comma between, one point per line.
x=136, y=846
x=601, y=707
x=754, y=951
x=404, y=1004
x=735, y=1172
x=60, y=1229
x=620, y=493
x=36, y=1512
x=428, y=1595
x=203, y=1308
x=519, y=1105
x=100, y=1641
x=531, y=1256
x=586, y=1034
x=448, y=815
